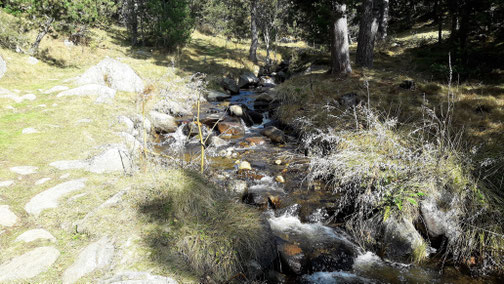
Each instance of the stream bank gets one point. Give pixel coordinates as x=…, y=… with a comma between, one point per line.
x=259, y=160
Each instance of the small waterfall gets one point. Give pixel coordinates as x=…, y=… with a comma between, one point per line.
x=177, y=141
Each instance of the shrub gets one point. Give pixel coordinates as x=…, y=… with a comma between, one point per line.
x=12, y=32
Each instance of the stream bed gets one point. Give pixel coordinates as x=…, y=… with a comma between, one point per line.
x=310, y=248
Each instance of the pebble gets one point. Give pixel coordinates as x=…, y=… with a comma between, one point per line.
x=244, y=165
x=278, y=162
x=42, y=181
x=280, y=179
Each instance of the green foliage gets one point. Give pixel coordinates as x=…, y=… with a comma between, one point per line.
x=12, y=32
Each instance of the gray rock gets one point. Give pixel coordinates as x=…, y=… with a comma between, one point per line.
x=97, y=255
x=130, y=125
x=42, y=181
x=163, y=122
x=105, y=94
x=24, y=170
x=49, y=198
x=401, y=239
x=132, y=144
x=174, y=108
x=29, y=265
x=32, y=60
x=84, y=120
x=217, y=141
x=35, y=234
x=215, y=96
x=3, y=67
x=65, y=176
x=134, y=277
x=56, y=89
x=115, y=74
x=237, y=186
x=140, y=122
x=247, y=79
x=29, y=130
x=440, y=221
x=7, y=217
x=6, y=183
x=274, y=134
x=230, y=85
x=113, y=159
x=29, y=97
x=69, y=165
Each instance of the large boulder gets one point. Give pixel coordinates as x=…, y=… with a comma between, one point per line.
x=163, y=122
x=247, y=79
x=249, y=116
x=402, y=241
x=3, y=67
x=114, y=74
x=230, y=85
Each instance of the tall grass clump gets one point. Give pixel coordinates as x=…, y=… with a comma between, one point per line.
x=382, y=169
x=12, y=33
x=216, y=236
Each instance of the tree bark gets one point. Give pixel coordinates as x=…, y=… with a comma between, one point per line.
x=266, y=35
x=383, y=22
x=253, y=31
x=340, y=54
x=131, y=18
x=367, y=33
x=43, y=31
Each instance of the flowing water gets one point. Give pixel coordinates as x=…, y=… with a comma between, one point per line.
x=297, y=212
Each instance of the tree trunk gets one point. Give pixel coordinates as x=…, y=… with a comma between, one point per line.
x=438, y=14
x=43, y=31
x=131, y=18
x=383, y=22
x=266, y=35
x=367, y=33
x=340, y=54
x=253, y=31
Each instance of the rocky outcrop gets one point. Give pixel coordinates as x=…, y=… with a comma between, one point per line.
x=28, y=265
x=114, y=74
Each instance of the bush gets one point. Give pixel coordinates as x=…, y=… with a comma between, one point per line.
x=12, y=32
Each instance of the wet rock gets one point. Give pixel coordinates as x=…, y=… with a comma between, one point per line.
x=105, y=94
x=24, y=170
x=28, y=265
x=3, y=67
x=237, y=186
x=276, y=277
x=50, y=197
x=95, y=256
x=267, y=82
x=114, y=74
x=401, y=239
x=247, y=80
x=244, y=166
x=274, y=134
x=230, y=85
x=35, y=234
x=293, y=257
x=280, y=179
x=349, y=100
x=278, y=162
x=218, y=142
x=163, y=122
x=7, y=217
x=215, y=96
x=236, y=110
x=135, y=277
x=282, y=76
x=190, y=129
x=211, y=120
x=231, y=128
x=341, y=258
x=255, y=141
x=408, y=85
